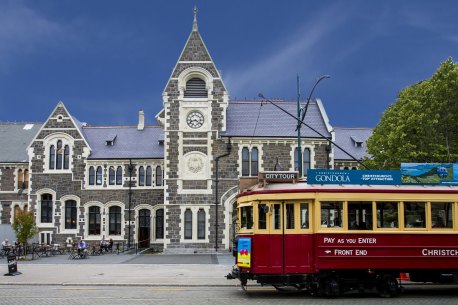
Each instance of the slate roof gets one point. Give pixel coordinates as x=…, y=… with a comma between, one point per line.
x=14, y=139
x=129, y=142
x=346, y=137
x=272, y=122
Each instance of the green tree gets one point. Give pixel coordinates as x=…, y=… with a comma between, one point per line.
x=24, y=226
x=421, y=125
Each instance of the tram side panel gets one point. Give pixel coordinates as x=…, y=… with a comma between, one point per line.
x=403, y=252
x=298, y=253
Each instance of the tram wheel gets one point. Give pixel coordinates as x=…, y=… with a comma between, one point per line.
x=387, y=286
x=330, y=287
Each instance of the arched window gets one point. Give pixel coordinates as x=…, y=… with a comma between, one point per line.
x=160, y=224
x=99, y=177
x=46, y=208
x=149, y=173
x=188, y=224
x=306, y=161
x=250, y=161
x=70, y=214
x=52, y=156
x=94, y=220
x=115, y=221
x=91, y=175
x=158, y=176
x=254, y=161
x=66, y=157
x=59, y=155
x=111, y=176
x=119, y=175
x=20, y=179
x=201, y=224
x=195, y=87
x=141, y=176
x=26, y=179
x=16, y=211
x=245, y=162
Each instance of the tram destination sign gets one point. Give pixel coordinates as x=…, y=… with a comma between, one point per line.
x=380, y=177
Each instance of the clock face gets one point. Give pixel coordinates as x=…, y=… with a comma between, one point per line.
x=195, y=119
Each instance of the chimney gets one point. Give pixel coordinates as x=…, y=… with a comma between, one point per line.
x=141, y=120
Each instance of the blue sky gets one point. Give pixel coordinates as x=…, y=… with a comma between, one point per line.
x=107, y=59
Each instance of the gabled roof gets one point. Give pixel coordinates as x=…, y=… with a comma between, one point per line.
x=272, y=122
x=347, y=139
x=14, y=140
x=130, y=142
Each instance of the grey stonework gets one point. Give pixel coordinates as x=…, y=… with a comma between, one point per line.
x=213, y=191
x=7, y=179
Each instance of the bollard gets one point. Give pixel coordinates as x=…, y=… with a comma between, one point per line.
x=12, y=266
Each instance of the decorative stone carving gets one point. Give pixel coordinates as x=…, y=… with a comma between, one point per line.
x=195, y=163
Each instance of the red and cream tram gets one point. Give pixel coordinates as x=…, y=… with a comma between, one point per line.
x=335, y=238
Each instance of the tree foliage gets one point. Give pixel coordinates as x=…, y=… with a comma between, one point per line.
x=24, y=226
x=421, y=125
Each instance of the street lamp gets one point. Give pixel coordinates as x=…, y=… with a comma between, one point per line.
x=299, y=123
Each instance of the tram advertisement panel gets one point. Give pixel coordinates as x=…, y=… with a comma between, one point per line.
x=244, y=253
x=429, y=173
x=379, y=177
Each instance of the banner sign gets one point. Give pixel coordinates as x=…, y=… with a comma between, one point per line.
x=244, y=252
x=429, y=173
x=380, y=177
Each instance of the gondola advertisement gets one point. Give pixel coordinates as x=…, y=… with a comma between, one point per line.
x=429, y=173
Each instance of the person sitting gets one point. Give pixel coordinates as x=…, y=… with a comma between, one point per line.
x=6, y=246
x=82, y=249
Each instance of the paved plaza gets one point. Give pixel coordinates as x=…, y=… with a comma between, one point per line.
x=124, y=269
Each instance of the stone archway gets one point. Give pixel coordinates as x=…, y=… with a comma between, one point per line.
x=228, y=200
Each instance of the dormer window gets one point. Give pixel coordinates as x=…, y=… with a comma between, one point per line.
x=110, y=140
x=196, y=87
x=357, y=141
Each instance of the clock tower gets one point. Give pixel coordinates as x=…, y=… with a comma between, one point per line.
x=195, y=102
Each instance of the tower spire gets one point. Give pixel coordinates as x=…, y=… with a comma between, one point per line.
x=194, y=24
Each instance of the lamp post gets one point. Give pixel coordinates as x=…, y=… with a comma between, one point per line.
x=299, y=123
x=130, y=168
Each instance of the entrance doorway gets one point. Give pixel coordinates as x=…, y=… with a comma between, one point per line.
x=144, y=228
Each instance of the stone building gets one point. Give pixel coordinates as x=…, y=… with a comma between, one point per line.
x=171, y=186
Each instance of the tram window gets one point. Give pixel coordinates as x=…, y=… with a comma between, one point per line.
x=276, y=217
x=290, y=216
x=414, y=214
x=262, y=216
x=441, y=215
x=360, y=215
x=387, y=215
x=331, y=214
x=304, y=215
x=247, y=217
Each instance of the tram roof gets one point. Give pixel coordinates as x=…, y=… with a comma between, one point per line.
x=278, y=188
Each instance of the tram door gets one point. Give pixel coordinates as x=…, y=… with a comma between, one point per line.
x=268, y=243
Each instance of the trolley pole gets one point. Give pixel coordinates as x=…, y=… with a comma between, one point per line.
x=298, y=151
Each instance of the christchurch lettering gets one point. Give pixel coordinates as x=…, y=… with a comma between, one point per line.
x=439, y=252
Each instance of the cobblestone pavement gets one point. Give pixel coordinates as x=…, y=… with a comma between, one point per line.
x=50, y=295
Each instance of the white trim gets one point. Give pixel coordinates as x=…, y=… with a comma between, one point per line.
x=62, y=217
x=228, y=209
x=250, y=146
x=39, y=193
x=303, y=147
x=194, y=211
